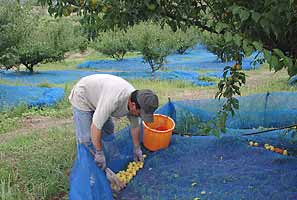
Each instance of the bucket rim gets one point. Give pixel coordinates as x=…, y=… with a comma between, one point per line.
x=171, y=129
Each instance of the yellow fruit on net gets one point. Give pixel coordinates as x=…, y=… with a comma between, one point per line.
x=127, y=175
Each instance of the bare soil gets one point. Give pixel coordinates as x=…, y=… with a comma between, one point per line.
x=34, y=124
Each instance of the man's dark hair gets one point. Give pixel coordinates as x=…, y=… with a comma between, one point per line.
x=134, y=98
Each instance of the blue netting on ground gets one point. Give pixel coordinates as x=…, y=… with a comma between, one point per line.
x=11, y=96
x=64, y=76
x=56, y=77
x=91, y=176
x=223, y=168
x=198, y=58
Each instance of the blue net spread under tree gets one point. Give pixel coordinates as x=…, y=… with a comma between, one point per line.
x=196, y=59
x=52, y=76
x=221, y=168
x=11, y=96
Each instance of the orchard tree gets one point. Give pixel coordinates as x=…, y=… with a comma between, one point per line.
x=115, y=43
x=11, y=17
x=186, y=39
x=30, y=39
x=47, y=40
x=154, y=42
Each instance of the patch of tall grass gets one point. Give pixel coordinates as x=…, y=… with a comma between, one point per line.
x=37, y=165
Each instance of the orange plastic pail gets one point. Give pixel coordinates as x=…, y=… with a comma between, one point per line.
x=157, y=135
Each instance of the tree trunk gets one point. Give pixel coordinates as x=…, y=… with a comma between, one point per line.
x=30, y=67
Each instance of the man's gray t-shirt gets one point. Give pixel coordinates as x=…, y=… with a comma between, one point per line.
x=106, y=95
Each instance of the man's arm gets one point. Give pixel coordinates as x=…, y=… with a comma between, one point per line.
x=96, y=135
x=96, y=139
x=136, y=141
x=136, y=136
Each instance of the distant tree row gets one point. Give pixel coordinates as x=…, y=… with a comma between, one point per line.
x=153, y=41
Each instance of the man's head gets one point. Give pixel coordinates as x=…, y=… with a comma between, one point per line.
x=143, y=103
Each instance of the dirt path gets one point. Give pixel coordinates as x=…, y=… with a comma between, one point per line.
x=34, y=124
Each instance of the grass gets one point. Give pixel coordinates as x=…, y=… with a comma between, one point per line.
x=35, y=165
x=208, y=79
x=275, y=83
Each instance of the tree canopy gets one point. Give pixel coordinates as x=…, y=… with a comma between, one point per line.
x=29, y=38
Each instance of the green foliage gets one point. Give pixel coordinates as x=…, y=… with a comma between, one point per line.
x=269, y=23
x=32, y=168
x=11, y=17
x=30, y=39
x=190, y=122
x=224, y=46
x=48, y=40
x=233, y=79
x=115, y=43
x=7, y=191
x=154, y=42
x=10, y=118
x=186, y=39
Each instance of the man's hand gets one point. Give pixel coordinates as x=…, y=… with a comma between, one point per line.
x=116, y=183
x=100, y=159
x=138, y=157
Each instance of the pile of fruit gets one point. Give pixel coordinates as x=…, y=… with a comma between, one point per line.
x=133, y=167
x=126, y=175
x=270, y=147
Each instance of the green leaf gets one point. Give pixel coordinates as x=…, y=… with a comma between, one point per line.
x=257, y=45
x=235, y=10
x=267, y=55
x=209, y=23
x=221, y=84
x=255, y=16
x=247, y=48
x=235, y=103
x=279, y=53
x=235, y=87
x=244, y=15
x=265, y=25
x=289, y=62
x=237, y=40
x=275, y=64
x=228, y=37
x=220, y=27
x=228, y=92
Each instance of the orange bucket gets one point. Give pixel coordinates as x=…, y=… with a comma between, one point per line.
x=157, y=135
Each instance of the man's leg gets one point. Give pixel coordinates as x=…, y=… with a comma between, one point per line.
x=83, y=121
